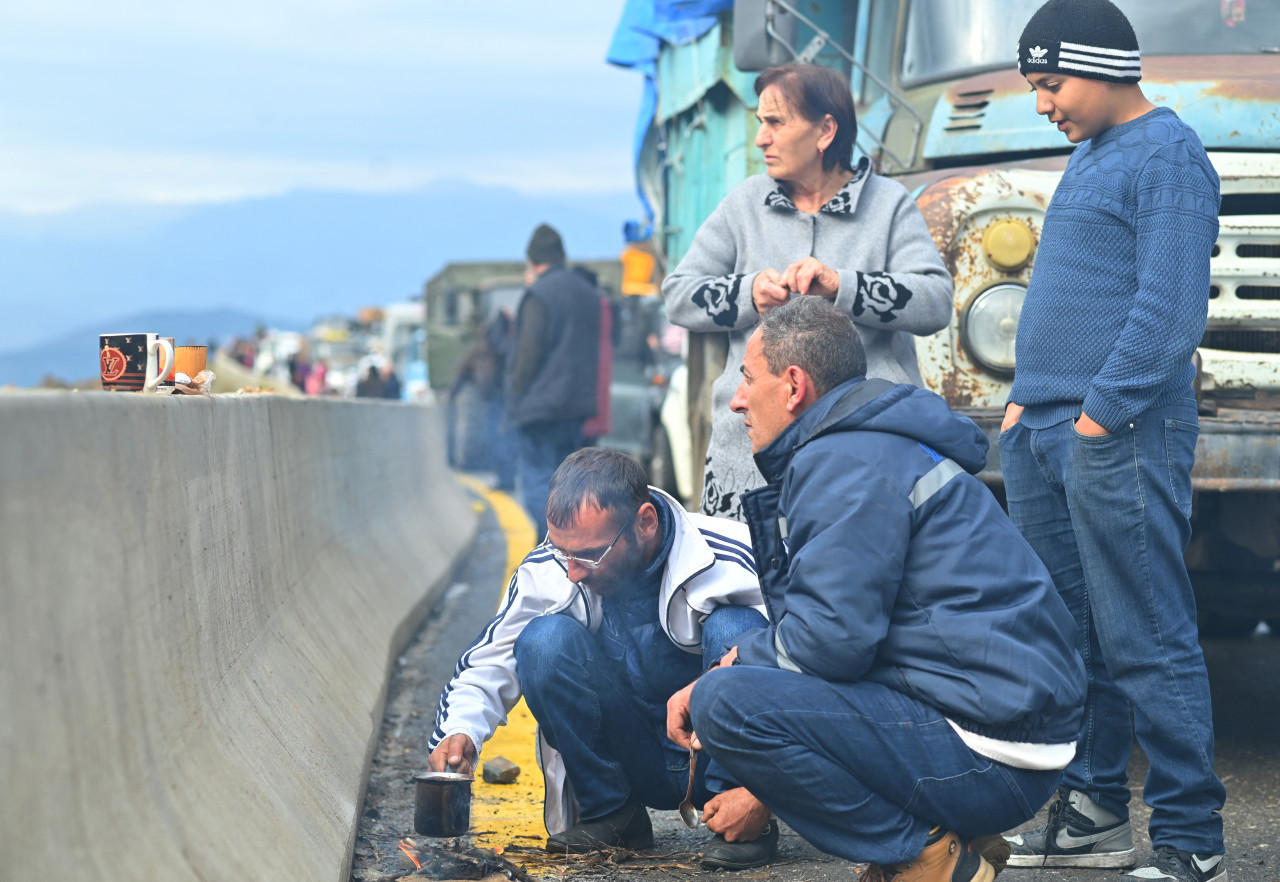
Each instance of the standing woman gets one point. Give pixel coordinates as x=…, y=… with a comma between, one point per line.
x=813, y=224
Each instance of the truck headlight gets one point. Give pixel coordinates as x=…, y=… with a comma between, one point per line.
x=991, y=326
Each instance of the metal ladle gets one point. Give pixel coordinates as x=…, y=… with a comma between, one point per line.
x=688, y=813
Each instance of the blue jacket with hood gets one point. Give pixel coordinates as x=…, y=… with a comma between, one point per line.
x=883, y=559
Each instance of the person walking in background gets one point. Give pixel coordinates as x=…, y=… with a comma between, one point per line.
x=551, y=374
x=601, y=422
x=299, y=367
x=316, y=378
x=814, y=224
x=482, y=372
x=1099, y=438
x=390, y=382
x=370, y=385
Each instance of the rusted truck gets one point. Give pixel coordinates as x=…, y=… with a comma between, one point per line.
x=943, y=109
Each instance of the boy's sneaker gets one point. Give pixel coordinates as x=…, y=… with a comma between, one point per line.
x=1080, y=833
x=1168, y=863
x=945, y=858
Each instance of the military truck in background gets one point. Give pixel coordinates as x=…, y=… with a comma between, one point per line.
x=462, y=297
x=942, y=108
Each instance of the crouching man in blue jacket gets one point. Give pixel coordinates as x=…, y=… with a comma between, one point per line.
x=918, y=690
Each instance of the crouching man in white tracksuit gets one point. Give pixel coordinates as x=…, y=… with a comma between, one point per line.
x=629, y=600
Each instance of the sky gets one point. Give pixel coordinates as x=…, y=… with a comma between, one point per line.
x=138, y=104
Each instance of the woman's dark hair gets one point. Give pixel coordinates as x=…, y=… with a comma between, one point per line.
x=813, y=91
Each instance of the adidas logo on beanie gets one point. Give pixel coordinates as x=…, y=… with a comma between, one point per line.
x=1081, y=38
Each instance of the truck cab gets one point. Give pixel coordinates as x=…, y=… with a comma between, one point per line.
x=942, y=108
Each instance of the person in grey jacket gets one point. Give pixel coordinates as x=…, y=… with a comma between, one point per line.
x=818, y=224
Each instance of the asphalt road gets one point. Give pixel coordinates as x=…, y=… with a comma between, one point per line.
x=1246, y=694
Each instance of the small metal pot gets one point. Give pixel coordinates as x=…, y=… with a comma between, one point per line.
x=442, y=803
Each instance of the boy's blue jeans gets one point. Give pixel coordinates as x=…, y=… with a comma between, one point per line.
x=615, y=750
x=1109, y=516
x=858, y=769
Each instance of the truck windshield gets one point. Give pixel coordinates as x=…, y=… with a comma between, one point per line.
x=945, y=39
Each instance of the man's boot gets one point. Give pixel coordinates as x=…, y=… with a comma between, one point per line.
x=995, y=850
x=945, y=858
x=628, y=828
x=723, y=855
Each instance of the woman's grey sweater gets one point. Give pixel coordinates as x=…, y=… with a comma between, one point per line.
x=892, y=283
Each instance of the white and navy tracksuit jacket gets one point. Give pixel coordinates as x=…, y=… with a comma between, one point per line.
x=710, y=565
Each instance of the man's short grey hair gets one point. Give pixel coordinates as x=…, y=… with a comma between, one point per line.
x=600, y=477
x=815, y=336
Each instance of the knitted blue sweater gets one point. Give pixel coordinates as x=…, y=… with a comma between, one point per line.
x=1120, y=290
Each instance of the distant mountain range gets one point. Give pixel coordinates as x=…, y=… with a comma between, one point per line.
x=219, y=270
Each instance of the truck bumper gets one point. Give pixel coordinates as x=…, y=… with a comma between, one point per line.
x=1234, y=555
x=1238, y=450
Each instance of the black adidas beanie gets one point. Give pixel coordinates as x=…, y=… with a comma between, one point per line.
x=545, y=246
x=1080, y=38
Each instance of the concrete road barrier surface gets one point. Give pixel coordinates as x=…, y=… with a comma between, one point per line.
x=199, y=602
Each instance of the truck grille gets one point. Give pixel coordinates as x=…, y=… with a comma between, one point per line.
x=1249, y=292
x=1258, y=292
x=1255, y=250
x=1241, y=345
x=1242, y=341
x=967, y=111
x=1244, y=296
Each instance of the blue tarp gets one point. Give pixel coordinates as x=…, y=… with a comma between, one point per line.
x=645, y=25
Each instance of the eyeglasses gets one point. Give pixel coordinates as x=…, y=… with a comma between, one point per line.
x=582, y=561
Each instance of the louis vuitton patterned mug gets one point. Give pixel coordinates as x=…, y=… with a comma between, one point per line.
x=134, y=362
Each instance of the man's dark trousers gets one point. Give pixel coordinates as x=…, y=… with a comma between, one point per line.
x=614, y=749
x=859, y=770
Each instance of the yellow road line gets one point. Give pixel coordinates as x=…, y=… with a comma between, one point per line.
x=509, y=814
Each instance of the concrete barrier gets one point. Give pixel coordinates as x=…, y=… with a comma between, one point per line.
x=199, y=602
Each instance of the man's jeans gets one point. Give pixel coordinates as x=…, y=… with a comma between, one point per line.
x=1109, y=516
x=615, y=750
x=540, y=448
x=859, y=770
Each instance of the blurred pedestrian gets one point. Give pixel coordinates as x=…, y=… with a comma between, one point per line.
x=601, y=422
x=299, y=367
x=390, y=382
x=552, y=372
x=370, y=385
x=480, y=374
x=316, y=379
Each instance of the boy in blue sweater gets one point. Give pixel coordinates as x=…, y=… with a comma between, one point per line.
x=1099, y=439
